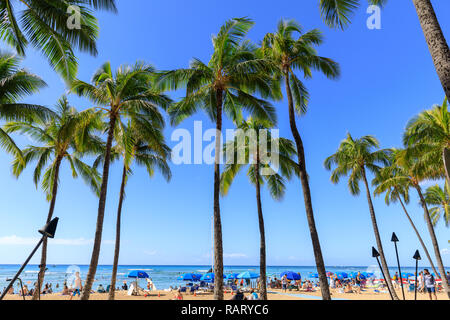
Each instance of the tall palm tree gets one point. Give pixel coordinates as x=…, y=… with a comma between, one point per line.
x=354, y=158
x=64, y=137
x=436, y=196
x=429, y=134
x=254, y=148
x=418, y=167
x=141, y=142
x=45, y=25
x=125, y=93
x=15, y=84
x=336, y=13
x=290, y=50
x=226, y=84
x=391, y=181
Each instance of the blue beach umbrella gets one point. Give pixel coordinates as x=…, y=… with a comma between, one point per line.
x=189, y=277
x=138, y=274
x=248, y=275
x=342, y=275
x=209, y=277
x=290, y=275
x=232, y=276
x=314, y=275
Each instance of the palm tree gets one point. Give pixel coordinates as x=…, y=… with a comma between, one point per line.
x=429, y=134
x=336, y=13
x=418, y=167
x=65, y=136
x=393, y=181
x=15, y=84
x=126, y=93
x=289, y=54
x=225, y=84
x=45, y=25
x=142, y=142
x=354, y=158
x=436, y=196
x=249, y=143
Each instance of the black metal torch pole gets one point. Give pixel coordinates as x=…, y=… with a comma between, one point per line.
x=394, y=239
x=376, y=254
x=417, y=258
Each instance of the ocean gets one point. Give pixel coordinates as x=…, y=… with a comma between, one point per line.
x=163, y=276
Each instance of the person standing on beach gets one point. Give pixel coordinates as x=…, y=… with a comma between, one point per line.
x=430, y=284
x=284, y=283
x=78, y=286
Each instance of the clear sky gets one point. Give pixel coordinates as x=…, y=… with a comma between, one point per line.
x=387, y=78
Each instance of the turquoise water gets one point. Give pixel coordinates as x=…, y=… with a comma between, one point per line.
x=163, y=276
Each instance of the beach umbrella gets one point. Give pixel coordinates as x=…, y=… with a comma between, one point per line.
x=248, y=275
x=352, y=275
x=209, y=277
x=232, y=276
x=290, y=275
x=189, y=277
x=329, y=274
x=342, y=275
x=138, y=274
x=314, y=275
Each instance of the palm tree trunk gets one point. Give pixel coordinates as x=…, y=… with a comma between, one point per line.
x=42, y=266
x=419, y=237
x=112, y=289
x=262, y=246
x=437, y=44
x=378, y=238
x=437, y=252
x=307, y=196
x=218, y=246
x=101, y=211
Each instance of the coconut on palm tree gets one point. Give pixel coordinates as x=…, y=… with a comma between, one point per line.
x=54, y=27
x=123, y=94
x=440, y=198
x=394, y=182
x=63, y=137
x=141, y=141
x=15, y=84
x=269, y=161
x=290, y=50
x=417, y=168
x=226, y=84
x=355, y=158
x=337, y=13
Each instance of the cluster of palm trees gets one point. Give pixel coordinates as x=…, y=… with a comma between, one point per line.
x=397, y=171
x=240, y=77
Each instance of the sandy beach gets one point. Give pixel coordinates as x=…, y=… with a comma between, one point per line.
x=274, y=294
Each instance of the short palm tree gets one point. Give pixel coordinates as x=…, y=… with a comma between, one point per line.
x=64, y=137
x=417, y=168
x=440, y=198
x=226, y=84
x=291, y=50
x=354, y=158
x=45, y=25
x=393, y=181
x=337, y=13
x=15, y=84
x=123, y=94
x=141, y=142
x=253, y=148
x=429, y=135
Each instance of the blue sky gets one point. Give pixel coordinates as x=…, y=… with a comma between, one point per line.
x=387, y=78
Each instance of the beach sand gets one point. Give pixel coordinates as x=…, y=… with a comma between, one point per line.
x=273, y=295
